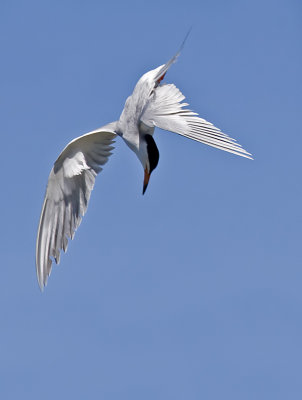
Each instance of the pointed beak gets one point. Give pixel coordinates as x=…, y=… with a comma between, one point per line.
x=146, y=180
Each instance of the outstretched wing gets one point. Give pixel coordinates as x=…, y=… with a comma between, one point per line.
x=70, y=183
x=166, y=111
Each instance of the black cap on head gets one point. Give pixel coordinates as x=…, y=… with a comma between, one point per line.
x=153, y=156
x=153, y=153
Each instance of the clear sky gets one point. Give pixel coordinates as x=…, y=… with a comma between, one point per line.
x=192, y=291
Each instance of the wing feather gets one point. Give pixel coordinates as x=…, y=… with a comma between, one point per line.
x=69, y=187
x=166, y=111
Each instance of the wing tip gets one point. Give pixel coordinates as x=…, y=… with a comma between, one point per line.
x=42, y=282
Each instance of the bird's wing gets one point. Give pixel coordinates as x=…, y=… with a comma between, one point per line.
x=165, y=110
x=70, y=183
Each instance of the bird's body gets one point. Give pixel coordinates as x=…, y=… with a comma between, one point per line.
x=130, y=126
x=72, y=178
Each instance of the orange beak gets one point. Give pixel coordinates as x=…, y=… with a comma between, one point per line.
x=146, y=179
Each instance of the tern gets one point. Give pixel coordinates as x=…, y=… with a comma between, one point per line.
x=71, y=180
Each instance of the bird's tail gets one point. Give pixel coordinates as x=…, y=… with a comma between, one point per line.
x=160, y=74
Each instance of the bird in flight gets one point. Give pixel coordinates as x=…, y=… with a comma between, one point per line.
x=71, y=180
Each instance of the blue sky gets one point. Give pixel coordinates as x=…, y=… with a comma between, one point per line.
x=192, y=291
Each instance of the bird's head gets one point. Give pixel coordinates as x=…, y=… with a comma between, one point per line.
x=149, y=158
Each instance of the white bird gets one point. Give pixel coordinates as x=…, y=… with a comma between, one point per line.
x=71, y=180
